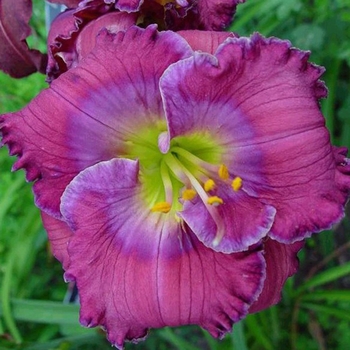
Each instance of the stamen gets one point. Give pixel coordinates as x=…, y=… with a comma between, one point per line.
x=176, y=169
x=163, y=207
x=215, y=201
x=204, y=197
x=223, y=172
x=188, y=194
x=168, y=186
x=194, y=159
x=209, y=185
x=237, y=183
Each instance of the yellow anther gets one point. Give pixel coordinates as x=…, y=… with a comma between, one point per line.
x=209, y=185
x=163, y=207
x=188, y=194
x=215, y=200
x=236, y=183
x=223, y=172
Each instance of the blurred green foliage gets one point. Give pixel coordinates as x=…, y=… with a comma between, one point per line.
x=315, y=309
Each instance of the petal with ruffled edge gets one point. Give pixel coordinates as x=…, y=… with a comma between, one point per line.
x=243, y=221
x=85, y=114
x=135, y=269
x=60, y=44
x=59, y=235
x=113, y=22
x=260, y=97
x=73, y=35
x=281, y=262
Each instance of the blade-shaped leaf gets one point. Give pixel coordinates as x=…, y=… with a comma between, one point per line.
x=16, y=59
x=327, y=276
x=44, y=311
x=329, y=310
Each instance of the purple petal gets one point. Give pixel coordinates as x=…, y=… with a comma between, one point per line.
x=202, y=14
x=68, y=3
x=259, y=99
x=129, y=5
x=16, y=59
x=205, y=41
x=343, y=169
x=59, y=235
x=217, y=14
x=281, y=263
x=61, y=45
x=243, y=222
x=73, y=34
x=86, y=113
x=136, y=269
x=113, y=22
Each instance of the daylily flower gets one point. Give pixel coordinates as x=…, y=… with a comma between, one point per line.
x=16, y=58
x=73, y=32
x=178, y=175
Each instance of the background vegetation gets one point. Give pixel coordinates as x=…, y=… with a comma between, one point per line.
x=315, y=310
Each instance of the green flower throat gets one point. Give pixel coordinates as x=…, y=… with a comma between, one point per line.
x=191, y=167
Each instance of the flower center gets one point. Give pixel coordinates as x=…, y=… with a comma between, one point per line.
x=191, y=169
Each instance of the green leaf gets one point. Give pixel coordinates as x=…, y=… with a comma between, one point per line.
x=238, y=337
x=176, y=340
x=308, y=36
x=258, y=332
x=5, y=307
x=329, y=310
x=67, y=343
x=329, y=295
x=44, y=311
x=327, y=276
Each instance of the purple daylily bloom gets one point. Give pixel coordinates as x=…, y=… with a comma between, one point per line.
x=178, y=185
x=73, y=33
x=16, y=58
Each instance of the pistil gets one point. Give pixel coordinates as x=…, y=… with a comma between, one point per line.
x=198, y=162
x=209, y=202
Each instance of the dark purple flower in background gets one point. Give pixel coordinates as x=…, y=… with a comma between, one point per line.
x=73, y=33
x=16, y=58
x=178, y=175
x=69, y=32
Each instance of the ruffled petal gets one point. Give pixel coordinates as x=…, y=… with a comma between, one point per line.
x=259, y=99
x=113, y=22
x=136, y=269
x=281, y=263
x=83, y=117
x=73, y=35
x=241, y=221
x=60, y=44
x=59, y=235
